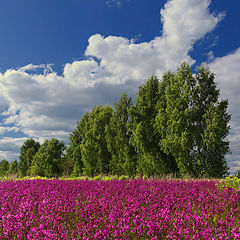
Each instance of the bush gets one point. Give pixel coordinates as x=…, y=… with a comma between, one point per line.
x=237, y=174
x=145, y=177
x=123, y=177
x=98, y=177
x=230, y=182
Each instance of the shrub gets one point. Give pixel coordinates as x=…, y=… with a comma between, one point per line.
x=123, y=177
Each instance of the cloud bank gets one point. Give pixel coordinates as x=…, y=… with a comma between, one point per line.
x=228, y=81
x=45, y=105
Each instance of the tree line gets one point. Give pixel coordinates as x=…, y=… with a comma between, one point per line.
x=177, y=125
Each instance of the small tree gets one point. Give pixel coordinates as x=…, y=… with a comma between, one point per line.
x=95, y=154
x=4, y=166
x=27, y=152
x=74, y=154
x=13, y=167
x=48, y=160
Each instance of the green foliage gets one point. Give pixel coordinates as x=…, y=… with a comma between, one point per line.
x=47, y=161
x=151, y=159
x=193, y=123
x=145, y=177
x=237, y=174
x=172, y=121
x=13, y=168
x=97, y=177
x=118, y=136
x=95, y=154
x=74, y=154
x=123, y=177
x=27, y=152
x=229, y=182
x=211, y=126
x=4, y=167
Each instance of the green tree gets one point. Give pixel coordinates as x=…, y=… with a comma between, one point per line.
x=74, y=154
x=27, y=152
x=13, y=167
x=4, y=166
x=211, y=126
x=193, y=123
x=174, y=125
x=95, y=154
x=47, y=161
x=151, y=159
x=118, y=139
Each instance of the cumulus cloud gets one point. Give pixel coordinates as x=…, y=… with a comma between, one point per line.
x=228, y=81
x=48, y=105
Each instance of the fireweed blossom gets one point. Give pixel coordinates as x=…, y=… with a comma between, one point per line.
x=127, y=209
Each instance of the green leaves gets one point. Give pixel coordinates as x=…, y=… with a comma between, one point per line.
x=193, y=123
x=151, y=159
x=118, y=136
x=48, y=160
x=95, y=154
x=27, y=152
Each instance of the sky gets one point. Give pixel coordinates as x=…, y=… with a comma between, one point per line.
x=59, y=58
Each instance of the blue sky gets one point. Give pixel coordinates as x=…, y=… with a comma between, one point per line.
x=58, y=58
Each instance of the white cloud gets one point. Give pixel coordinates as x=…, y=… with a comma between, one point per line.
x=4, y=129
x=228, y=81
x=210, y=56
x=48, y=105
x=30, y=67
x=9, y=147
x=115, y=3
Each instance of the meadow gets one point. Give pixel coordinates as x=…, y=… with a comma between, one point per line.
x=119, y=209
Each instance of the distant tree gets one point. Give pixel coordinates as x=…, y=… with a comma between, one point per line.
x=13, y=167
x=47, y=161
x=4, y=166
x=74, y=155
x=118, y=135
x=151, y=159
x=27, y=152
x=95, y=154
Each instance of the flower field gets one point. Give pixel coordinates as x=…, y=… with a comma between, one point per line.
x=127, y=209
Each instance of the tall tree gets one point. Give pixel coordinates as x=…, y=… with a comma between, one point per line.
x=145, y=139
x=95, y=154
x=193, y=123
x=161, y=121
x=118, y=135
x=174, y=124
x=27, y=152
x=74, y=154
x=211, y=126
x=48, y=160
